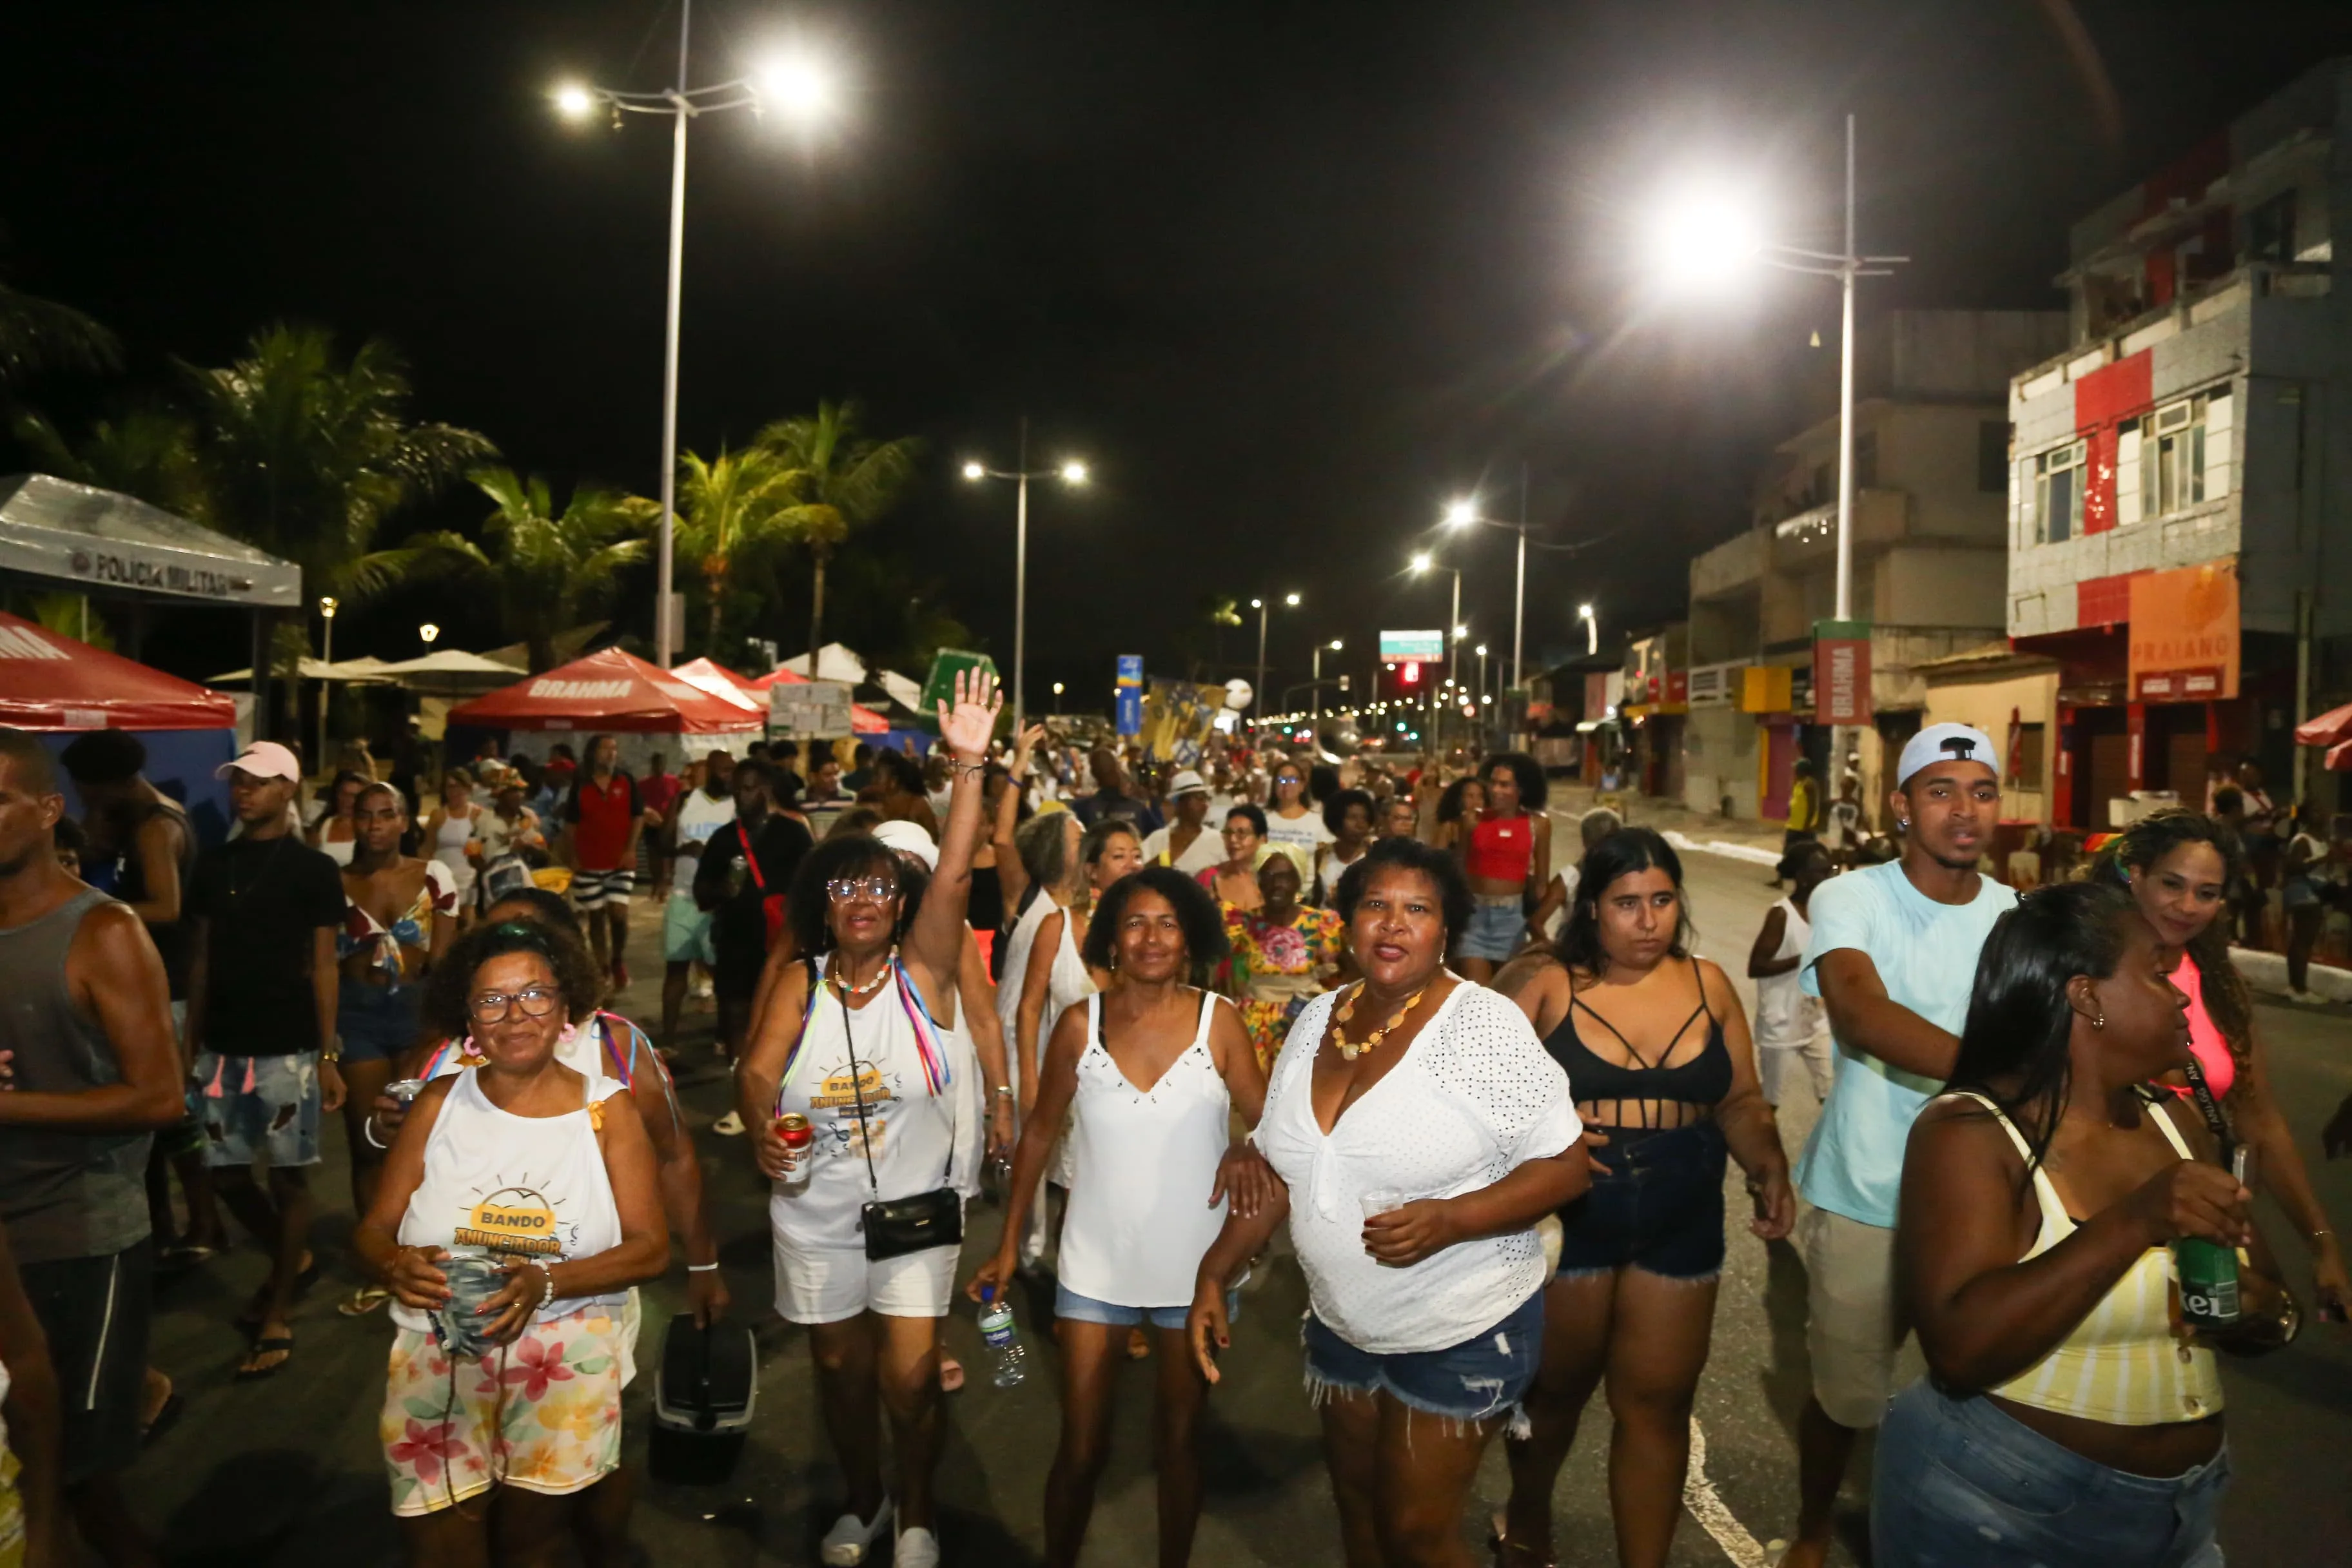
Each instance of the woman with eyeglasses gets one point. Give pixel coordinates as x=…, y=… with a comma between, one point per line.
x=1234, y=881
x=858, y=1039
x=1294, y=822
x=518, y=1205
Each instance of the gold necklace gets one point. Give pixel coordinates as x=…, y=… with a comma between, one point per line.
x=1349, y=1051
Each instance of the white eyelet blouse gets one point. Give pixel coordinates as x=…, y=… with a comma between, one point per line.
x=1475, y=1096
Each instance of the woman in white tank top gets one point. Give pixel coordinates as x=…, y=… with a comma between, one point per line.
x=1148, y=1074
x=548, y=1174
x=449, y=831
x=850, y=1040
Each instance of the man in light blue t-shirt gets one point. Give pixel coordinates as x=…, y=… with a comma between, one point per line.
x=1893, y=957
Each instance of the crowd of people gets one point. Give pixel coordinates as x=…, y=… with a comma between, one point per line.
x=1487, y=1096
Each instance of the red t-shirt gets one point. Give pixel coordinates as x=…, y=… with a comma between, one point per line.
x=601, y=817
x=660, y=793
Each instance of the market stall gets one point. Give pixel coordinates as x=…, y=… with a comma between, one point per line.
x=612, y=692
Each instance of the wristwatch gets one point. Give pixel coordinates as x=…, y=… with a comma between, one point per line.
x=332, y=1051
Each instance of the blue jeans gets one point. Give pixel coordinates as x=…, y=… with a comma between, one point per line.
x=1497, y=925
x=1961, y=1485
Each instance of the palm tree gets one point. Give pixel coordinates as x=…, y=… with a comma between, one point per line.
x=839, y=481
x=730, y=508
x=150, y=453
x=547, y=569
x=309, y=455
x=38, y=334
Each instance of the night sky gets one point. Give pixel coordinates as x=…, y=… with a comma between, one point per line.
x=1287, y=275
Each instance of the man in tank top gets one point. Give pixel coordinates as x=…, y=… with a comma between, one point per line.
x=1892, y=955
x=85, y=1013
x=1792, y=1032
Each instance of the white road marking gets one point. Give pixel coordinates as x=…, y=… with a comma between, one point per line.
x=1707, y=1506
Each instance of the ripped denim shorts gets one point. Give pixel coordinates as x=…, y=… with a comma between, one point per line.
x=1480, y=1378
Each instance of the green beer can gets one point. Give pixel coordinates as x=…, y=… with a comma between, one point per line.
x=2207, y=1273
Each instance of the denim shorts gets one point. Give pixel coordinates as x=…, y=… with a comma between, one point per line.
x=1658, y=1209
x=1483, y=1377
x=1498, y=922
x=377, y=1023
x=1962, y=1485
x=1077, y=1308
x=260, y=1107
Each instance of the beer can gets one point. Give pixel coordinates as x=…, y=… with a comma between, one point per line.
x=405, y=1090
x=795, y=1129
x=2207, y=1273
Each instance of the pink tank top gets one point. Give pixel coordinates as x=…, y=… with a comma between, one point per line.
x=2205, y=1041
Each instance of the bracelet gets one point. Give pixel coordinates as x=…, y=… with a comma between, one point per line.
x=367, y=1131
x=701, y=1268
x=548, y=1294
x=1004, y=1091
x=972, y=770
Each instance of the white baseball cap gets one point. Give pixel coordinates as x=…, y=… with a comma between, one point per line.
x=1187, y=782
x=263, y=760
x=1936, y=743
x=908, y=839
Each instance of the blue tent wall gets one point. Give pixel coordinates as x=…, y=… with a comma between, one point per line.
x=179, y=763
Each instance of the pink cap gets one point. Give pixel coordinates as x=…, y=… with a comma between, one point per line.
x=263, y=760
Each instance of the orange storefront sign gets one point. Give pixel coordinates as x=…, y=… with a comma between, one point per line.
x=2184, y=634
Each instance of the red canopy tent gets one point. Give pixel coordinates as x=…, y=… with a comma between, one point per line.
x=612, y=690
x=49, y=681
x=2333, y=730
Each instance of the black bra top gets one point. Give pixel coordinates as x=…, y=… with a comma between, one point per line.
x=1705, y=1079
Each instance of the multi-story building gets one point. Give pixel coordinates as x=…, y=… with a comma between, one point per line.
x=2180, y=482
x=1931, y=450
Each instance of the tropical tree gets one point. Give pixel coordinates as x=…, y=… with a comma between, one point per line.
x=38, y=334
x=839, y=482
x=150, y=453
x=547, y=569
x=309, y=455
x=730, y=509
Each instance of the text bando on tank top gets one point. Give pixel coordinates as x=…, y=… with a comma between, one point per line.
x=2120, y=1364
x=531, y=1188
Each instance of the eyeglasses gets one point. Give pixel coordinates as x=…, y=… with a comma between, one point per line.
x=536, y=1002
x=847, y=890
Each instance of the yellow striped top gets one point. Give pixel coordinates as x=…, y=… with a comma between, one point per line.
x=2121, y=1365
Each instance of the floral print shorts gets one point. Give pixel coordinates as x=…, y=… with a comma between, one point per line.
x=544, y=1414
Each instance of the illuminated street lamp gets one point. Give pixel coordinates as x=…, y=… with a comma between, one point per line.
x=800, y=87
x=327, y=608
x=1058, y=701
x=428, y=632
x=1071, y=473
x=1464, y=513
x=1592, y=629
x=1290, y=601
x=1335, y=645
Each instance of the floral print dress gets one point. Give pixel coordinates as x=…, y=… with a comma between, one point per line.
x=1277, y=967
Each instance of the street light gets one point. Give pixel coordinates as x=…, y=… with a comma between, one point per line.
x=1057, y=702
x=428, y=631
x=804, y=89
x=1335, y=645
x=1071, y=473
x=327, y=608
x=1713, y=235
x=1464, y=512
x=1592, y=629
x=1289, y=601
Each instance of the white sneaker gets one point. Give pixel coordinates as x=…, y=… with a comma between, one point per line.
x=731, y=1126
x=2306, y=997
x=850, y=1539
x=915, y=1548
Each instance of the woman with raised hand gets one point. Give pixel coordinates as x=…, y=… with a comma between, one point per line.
x=1234, y=879
x=2066, y=1420
x=1146, y=1200
x=1419, y=1132
x=2181, y=866
x=517, y=1207
x=865, y=1221
x=1656, y=1046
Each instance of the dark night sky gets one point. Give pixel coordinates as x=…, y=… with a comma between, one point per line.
x=1286, y=275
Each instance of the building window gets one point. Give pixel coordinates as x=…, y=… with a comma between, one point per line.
x=2270, y=229
x=1993, y=457
x=2026, y=766
x=2058, y=494
x=2172, y=455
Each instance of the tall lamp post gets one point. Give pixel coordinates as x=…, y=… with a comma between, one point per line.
x=798, y=85
x=1072, y=473
x=428, y=633
x=1463, y=513
x=1335, y=645
x=1264, y=609
x=1711, y=237
x=327, y=608
x=1424, y=561
x=1592, y=631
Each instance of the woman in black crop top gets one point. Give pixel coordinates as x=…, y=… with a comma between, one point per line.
x=1663, y=1074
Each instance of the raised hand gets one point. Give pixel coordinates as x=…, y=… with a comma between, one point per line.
x=966, y=730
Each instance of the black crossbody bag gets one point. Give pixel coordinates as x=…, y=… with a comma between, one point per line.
x=897, y=1226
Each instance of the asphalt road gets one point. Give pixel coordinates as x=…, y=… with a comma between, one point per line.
x=288, y=1471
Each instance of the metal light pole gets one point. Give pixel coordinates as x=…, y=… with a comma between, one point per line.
x=1462, y=514
x=792, y=86
x=1335, y=645
x=1592, y=629
x=1257, y=692
x=327, y=607
x=1072, y=473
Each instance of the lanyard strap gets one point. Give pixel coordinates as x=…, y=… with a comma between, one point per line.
x=2211, y=1108
x=857, y=1089
x=749, y=859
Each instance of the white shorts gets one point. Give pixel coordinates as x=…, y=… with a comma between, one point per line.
x=601, y=889
x=832, y=1285
x=1780, y=1068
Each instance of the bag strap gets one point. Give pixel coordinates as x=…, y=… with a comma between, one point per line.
x=749, y=859
x=2211, y=1108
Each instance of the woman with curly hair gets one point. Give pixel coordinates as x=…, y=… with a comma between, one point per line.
x=859, y=1038
x=2181, y=866
x=1508, y=855
x=1146, y=1200
x=517, y=1207
x=1459, y=807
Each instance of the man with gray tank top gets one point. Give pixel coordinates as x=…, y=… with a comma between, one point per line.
x=86, y=1020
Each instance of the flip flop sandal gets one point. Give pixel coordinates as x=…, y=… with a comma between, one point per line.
x=951, y=1375
x=363, y=1300
x=166, y=1417
x=262, y=1346
x=257, y=1306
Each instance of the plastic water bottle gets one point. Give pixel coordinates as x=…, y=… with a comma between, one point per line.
x=1008, y=1361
